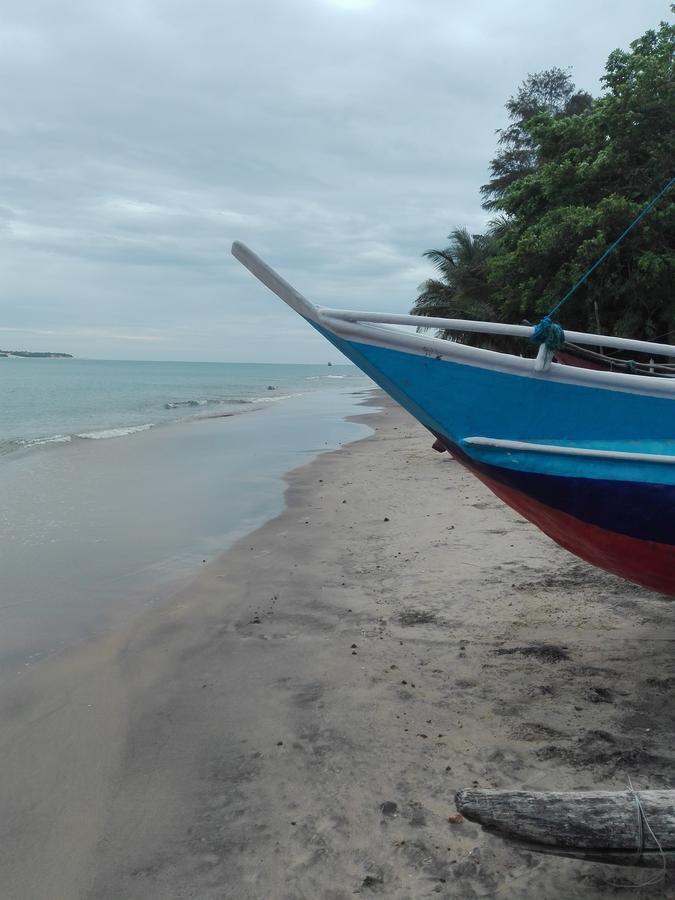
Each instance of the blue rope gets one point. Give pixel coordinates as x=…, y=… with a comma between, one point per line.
x=547, y=331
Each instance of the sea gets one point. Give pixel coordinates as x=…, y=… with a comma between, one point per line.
x=120, y=479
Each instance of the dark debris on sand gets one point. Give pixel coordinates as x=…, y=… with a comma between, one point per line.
x=550, y=653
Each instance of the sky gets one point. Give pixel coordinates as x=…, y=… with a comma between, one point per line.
x=339, y=139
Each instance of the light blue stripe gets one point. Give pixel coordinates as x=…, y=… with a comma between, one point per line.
x=461, y=401
x=588, y=467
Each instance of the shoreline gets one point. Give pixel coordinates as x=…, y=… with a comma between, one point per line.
x=179, y=397
x=295, y=722
x=97, y=530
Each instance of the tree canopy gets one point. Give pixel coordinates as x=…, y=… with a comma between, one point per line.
x=461, y=291
x=551, y=91
x=571, y=173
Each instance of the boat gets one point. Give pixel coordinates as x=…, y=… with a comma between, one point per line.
x=586, y=454
x=571, y=355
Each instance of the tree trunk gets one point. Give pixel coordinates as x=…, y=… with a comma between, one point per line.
x=605, y=826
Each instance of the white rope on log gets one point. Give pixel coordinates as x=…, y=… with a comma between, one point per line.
x=642, y=823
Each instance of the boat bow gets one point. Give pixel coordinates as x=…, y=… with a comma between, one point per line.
x=587, y=455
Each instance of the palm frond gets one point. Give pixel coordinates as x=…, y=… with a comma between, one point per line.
x=462, y=290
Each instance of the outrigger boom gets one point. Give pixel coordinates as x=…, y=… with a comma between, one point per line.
x=327, y=316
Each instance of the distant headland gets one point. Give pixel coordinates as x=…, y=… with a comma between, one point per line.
x=36, y=354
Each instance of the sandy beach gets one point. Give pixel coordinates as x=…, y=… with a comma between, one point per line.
x=294, y=723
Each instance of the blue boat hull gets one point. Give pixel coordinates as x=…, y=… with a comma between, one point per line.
x=617, y=513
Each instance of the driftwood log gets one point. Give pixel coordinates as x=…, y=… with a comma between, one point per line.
x=603, y=826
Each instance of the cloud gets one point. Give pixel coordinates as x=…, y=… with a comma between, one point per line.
x=338, y=138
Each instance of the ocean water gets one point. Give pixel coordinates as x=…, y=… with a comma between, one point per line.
x=56, y=401
x=118, y=480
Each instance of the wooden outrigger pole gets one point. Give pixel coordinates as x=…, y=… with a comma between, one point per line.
x=628, y=828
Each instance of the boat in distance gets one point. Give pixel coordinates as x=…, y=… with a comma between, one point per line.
x=587, y=455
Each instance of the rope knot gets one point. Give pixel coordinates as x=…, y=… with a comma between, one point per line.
x=549, y=333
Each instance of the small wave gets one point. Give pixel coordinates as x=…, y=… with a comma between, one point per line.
x=178, y=404
x=53, y=439
x=272, y=399
x=175, y=404
x=321, y=377
x=114, y=432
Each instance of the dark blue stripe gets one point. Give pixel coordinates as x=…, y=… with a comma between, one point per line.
x=639, y=510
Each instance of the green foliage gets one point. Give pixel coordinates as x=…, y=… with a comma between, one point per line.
x=595, y=172
x=571, y=174
x=551, y=91
x=461, y=291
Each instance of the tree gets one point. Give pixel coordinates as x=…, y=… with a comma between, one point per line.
x=595, y=171
x=572, y=173
x=462, y=290
x=551, y=91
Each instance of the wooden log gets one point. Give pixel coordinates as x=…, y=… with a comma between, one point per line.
x=605, y=826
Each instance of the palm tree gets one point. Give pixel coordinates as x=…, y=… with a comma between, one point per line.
x=462, y=290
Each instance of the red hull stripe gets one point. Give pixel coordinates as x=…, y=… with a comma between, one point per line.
x=645, y=562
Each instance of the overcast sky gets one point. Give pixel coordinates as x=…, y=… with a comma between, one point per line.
x=338, y=138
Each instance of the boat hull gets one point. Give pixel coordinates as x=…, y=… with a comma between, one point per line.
x=645, y=562
x=617, y=514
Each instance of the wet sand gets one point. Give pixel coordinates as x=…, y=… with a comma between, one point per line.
x=296, y=722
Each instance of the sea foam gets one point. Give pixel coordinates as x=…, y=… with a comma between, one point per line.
x=114, y=432
x=53, y=439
